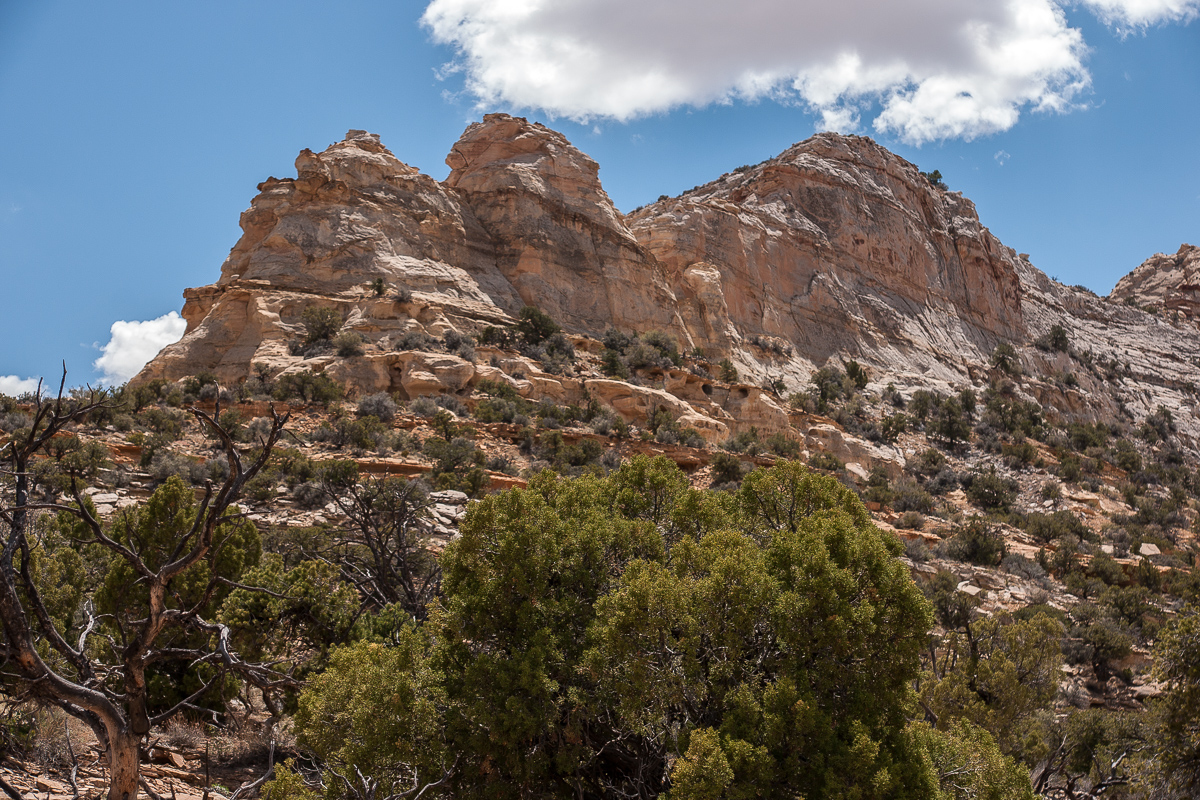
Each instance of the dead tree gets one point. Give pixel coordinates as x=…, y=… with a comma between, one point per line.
x=386, y=552
x=111, y=695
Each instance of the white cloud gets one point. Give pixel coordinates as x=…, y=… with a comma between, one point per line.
x=133, y=344
x=936, y=68
x=1140, y=13
x=13, y=386
x=1002, y=156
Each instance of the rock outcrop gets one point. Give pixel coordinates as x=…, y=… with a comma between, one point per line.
x=835, y=249
x=1166, y=283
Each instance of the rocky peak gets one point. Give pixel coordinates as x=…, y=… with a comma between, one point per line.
x=558, y=238
x=841, y=248
x=1169, y=283
x=511, y=154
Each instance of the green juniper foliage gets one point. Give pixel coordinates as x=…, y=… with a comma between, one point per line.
x=627, y=636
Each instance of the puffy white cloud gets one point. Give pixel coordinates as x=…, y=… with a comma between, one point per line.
x=13, y=386
x=133, y=344
x=936, y=68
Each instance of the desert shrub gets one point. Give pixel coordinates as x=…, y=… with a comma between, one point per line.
x=1082, y=436
x=320, y=323
x=193, y=384
x=1004, y=358
x=415, y=340
x=1070, y=468
x=364, y=433
x=830, y=384
x=977, y=543
x=729, y=373
x=665, y=345
x=1158, y=427
x=1051, y=490
x=826, y=461
x=891, y=395
x=499, y=409
x=1019, y=454
x=535, y=326
x=728, y=471
x=167, y=463
x=1047, y=528
x=348, y=344
x=457, y=464
x=613, y=364
x=1022, y=567
x=424, y=407
x=911, y=520
x=922, y=403
x=310, y=387
x=907, y=495
x=989, y=490
x=309, y=494
x=1008, y=413
x=917, y=550
x=557, y=345
x=879, y=489
x=930, y=462
x=1106, y=568
x=856, y=374
x=379, y=405
x=892, y=425
x=950, y=422
x=1055, y=340
x=782, y=446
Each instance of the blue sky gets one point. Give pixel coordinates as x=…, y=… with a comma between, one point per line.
x=134, y=133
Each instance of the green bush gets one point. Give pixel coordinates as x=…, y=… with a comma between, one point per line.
x=535, y=326
x=729, y=373
x=348, y=344
x=320, y=323
x=310, y=387
x=1004, y=358
x=977, y=543
x=1046, y=528
x=989, y=490
x=1055, y=340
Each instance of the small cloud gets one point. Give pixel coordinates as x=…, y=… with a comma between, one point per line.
x=1002, y=156
x=13, y=386
x=133, y=344
x=596, y=130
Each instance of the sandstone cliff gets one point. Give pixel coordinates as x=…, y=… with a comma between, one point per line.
x=835, y=249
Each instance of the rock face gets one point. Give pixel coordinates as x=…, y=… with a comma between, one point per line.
x=1168, y=283
x=835, y=249
x=838, y=248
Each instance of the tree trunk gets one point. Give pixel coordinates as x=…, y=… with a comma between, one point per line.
x=122, y=765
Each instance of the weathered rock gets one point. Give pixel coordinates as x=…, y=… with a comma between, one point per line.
x=1168, y=283
x=835, y=249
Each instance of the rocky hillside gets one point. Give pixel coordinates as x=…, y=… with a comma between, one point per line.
x=835, y=250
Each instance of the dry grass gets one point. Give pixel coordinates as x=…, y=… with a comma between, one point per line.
x=57, y=736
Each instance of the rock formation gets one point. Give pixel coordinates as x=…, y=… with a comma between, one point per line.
x=1166, y=283
x=836, y=249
